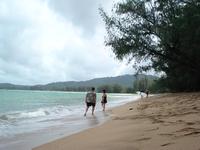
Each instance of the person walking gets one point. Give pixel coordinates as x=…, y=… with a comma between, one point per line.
x=104, y=99
x=90, y=100
x=147, y=93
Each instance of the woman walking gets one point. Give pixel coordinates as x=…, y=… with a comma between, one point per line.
x=104, y=99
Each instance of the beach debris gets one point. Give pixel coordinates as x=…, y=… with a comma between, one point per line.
x=131, y=108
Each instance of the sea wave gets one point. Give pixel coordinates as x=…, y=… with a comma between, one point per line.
x=40, y=112
x=29, y=120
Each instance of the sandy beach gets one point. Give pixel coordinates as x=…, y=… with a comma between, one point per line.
x=162, y=122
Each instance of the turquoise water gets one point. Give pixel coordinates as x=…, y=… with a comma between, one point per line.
x=16, y=100
x=28, y=111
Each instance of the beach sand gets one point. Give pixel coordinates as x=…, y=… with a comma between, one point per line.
x=162, y=122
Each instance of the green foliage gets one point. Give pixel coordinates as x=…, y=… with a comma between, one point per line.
x=158, y=86
x=143, y=83
x=116, y=88
x=128, y=90
x=108, y=88
x=164, y=32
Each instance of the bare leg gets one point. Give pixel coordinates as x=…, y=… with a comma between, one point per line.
x=86, y=110
x=93, y=107
x=103, y=105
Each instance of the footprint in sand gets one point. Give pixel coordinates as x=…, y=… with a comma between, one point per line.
x=143, y=139
x=166, y=144
x=166, y=134
x=188, y=131
x=192, y=133
x=190, y=123
x=153, y=129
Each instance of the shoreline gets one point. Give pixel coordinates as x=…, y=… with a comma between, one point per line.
x=168, y=121
x=66, y=126
x=69, y=126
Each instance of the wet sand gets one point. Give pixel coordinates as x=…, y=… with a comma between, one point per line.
x=67, y=126
x=164, y=122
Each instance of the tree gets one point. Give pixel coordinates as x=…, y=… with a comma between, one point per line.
x=128, y=90
x=108, y=88
x=164, y=32
x=117, y=88
x=142, y=82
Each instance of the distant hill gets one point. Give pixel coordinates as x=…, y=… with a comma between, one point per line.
x=124, y=81
x=13, y=86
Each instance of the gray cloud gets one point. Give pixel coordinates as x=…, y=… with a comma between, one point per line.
x=45, y=41
x=83, y=13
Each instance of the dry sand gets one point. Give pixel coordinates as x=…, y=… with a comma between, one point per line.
x=165, y=122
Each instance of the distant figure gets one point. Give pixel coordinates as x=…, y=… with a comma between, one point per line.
x=90, y=100
x=142, y=93
x=104, y=99
x=147, y=93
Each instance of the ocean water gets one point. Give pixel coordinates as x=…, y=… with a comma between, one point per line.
x=26, y=112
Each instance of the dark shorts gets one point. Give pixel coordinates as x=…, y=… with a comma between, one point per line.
x=104, y=101
x=90, y=104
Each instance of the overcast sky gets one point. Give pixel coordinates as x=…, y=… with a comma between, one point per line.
x=44, y=41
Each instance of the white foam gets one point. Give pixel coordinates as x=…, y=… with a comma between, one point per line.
x=17, y=122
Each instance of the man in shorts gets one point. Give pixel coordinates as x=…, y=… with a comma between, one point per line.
x=90, y=100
